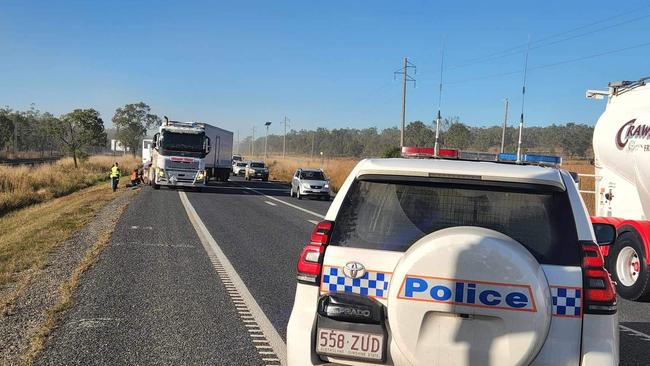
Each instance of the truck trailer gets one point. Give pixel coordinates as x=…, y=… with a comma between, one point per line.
x=621, y=145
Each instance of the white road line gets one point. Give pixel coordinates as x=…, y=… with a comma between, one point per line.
x=285, y=203
x=271, y=203
x=268, y=330
x=313, y=222
x=645, y=337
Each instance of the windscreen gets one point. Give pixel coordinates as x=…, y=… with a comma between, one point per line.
x=241, y=164
x=389, y=215
x=312, y=175
x=183, y=141
x=257, y=165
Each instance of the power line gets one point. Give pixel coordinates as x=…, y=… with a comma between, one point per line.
x=542, y=41
x=645, y=44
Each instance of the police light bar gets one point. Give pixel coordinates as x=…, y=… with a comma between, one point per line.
x=428, y=152
x=477, y=156
x=532, y=158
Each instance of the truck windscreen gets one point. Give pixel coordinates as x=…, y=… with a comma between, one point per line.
x=183, y=141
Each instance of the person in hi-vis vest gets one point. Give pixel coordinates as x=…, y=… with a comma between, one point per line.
x=115, y=176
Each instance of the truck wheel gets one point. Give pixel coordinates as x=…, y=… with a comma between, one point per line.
x=629, y=268
x=155, y=186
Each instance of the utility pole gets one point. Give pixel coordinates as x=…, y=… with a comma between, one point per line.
x=238, y=152
x=312, y=144
x=253, y=142
x=505, y=125
x=284, y=139
x=405, y=78
x=266, y=141
x=15, y=135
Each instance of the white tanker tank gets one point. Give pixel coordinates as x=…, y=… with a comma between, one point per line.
x=621, y=145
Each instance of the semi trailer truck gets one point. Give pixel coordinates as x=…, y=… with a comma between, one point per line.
x=621, y=145
x=188, y=154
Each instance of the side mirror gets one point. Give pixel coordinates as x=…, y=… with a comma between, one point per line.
x=207, y=145
x=154, y=142
x=605, y=233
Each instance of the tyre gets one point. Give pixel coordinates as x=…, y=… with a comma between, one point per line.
x=628, y=267
x=155, y=186
x=291, y=192
x=266, y=179
x=298, y=196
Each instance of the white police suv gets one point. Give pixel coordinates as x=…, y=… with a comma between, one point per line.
x=454, y=262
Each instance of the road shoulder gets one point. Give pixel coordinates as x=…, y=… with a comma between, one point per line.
x=37, y=297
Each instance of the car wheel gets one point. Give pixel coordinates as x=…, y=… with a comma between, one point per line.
x=629, y=268
x=298, y=196
x=291, y=192
x=156, y=186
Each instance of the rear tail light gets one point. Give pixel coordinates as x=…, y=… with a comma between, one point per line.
x=311, y=257
x=600, y=294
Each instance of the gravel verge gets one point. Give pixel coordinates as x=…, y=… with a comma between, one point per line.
x=25, y=317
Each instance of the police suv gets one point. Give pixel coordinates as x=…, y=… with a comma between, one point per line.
x=455, y=261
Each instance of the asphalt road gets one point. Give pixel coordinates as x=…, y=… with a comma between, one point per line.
x=156, y=298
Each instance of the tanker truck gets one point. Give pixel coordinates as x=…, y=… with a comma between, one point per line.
x=187, y=154
x=621, y=145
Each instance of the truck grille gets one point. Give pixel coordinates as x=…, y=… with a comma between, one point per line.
x=181, y=165
x=316, y=187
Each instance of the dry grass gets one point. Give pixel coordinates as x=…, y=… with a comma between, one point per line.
x=25, y=185
x=28, y=235
x=336, y=169
x=586, y=183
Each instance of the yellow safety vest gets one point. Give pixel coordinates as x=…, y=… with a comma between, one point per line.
x=115, y=172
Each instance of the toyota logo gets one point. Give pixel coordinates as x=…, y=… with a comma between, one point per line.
x=354, y=270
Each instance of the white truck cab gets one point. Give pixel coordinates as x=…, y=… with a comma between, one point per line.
x=453, y=262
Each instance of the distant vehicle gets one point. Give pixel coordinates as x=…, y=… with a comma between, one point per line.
x=622, y=154
x=256, y=170
x=146, y=151
x=239, y=168
x=188, y=153
x=310, y=183
x=237, y=158
x=451, y=262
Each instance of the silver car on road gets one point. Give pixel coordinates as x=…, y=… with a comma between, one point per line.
x=310, y=183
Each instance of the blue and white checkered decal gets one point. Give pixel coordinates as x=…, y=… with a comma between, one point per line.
x=567, y=301
x=374, y=284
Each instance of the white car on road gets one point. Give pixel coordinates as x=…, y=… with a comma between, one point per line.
x=451, y=262
x=309, y=183
x=239, y=168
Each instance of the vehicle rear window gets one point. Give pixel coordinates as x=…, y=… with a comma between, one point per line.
x=257, y=165
x=393, y=215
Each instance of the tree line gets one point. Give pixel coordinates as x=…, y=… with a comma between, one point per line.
x=82, y=131
x=570, y=140
x=77, y=133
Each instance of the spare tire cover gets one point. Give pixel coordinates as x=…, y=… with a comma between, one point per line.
x=468, y=296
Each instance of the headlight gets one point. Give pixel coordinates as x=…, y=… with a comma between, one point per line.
x=306, y=186
x=200, y=175
x=161, y=172
x=326, y=186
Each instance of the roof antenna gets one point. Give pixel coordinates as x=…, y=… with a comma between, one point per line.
x=523, y=99
x=442, y=60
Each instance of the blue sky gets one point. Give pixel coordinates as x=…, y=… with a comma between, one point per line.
x=327, y=64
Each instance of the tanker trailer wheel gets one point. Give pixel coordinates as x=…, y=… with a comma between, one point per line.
x=629, y=268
